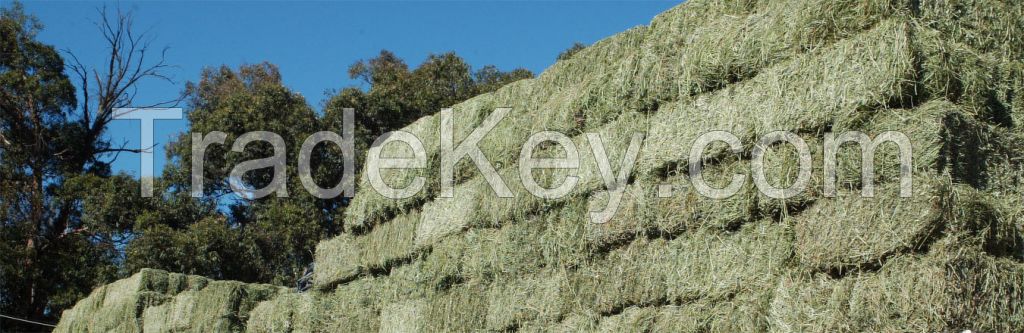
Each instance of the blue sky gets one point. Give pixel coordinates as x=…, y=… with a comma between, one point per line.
x=314, y=42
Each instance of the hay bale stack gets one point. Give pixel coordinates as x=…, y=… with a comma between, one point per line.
x=706, y=264
x=118, y=306
x=734, y=47
x=871, y=67
x=371, y=208
x=936, y=292
x=552, y=240
x=805, y=95
x=345, y=257
x=634, y=71
x=221, y=306
x=157, y=301
x=948, y=74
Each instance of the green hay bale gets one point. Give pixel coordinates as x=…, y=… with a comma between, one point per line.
x=1013, y=74
x=288, y=312
x=943, y=137
x=499, y=211
x=446, y=216
x=119, y=306
x=937, y=146
x=781, y=169
x=494, y=212
x=615, y=138
x=157, y=301
x=461, y=309
x=443, y=265
x=511, y=303
x=719, y=42
x=704, y=264
x=402, y=317
x=527, y=248
x=553, y=239
x=870, y=230
x=337, y=261
x=1008, y=200
x=632, y=219
x=389, y=243
x=513, y=250
x=939, y=292
x=454, y=259
x=715, y=265
x=658, y=69
x=860, y=73
x=356, y=306
x=346, y=256
x=986, y=25
x=347, y=310
x=535, y=94
x=733, y=48
x=746, y=312
x=370, y=208
x=952, y=70
x=981, y=82
x=113, y=306
x=220, y=306
x=851, y=231
x=559, y=99
x=989, y=220
x=643, y=211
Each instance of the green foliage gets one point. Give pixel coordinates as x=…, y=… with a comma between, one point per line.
x=43, y=266
x=490, y=78
x=572, y=50
x=397, y=96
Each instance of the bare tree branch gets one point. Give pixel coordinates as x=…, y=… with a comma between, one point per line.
x=129, y=62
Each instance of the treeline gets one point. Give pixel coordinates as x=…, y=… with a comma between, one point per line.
x=69, y=223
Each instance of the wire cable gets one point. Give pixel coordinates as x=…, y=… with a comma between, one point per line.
x=26, y=321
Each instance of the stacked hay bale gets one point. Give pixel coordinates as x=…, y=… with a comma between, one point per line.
x=157, y=301
x=944, y=73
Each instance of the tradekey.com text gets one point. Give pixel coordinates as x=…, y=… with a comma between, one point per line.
x=614, y=178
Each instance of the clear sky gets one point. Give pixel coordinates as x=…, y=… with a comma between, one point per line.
x=314, y=42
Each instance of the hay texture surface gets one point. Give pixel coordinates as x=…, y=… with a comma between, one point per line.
x=946, y=73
